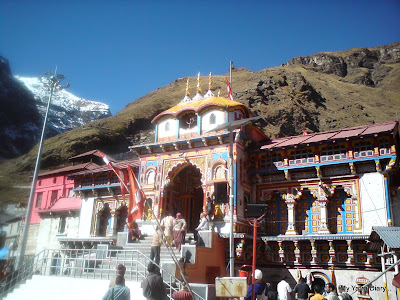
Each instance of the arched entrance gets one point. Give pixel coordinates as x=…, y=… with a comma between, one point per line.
x=184, y=194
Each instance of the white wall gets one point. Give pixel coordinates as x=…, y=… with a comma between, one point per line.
x=205, y=119
x=48, y=231
x=86, y=216
x=373, y=203
x=172, y=128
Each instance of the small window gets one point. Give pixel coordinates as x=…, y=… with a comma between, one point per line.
x=384, y=147
x=167, y=127
x=212, y=119
x=363, y=149
x=54, y=180
x=220, y=172
x=303, y=156
x=62, y=223
x=336, y=152
x=102, y=179
x=39, y=200
x=54, y=195
x=150, y=177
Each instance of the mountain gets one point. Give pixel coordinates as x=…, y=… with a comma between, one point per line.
x=67, y=111
x=20, y=120
x=320, y=92
x=24, y=102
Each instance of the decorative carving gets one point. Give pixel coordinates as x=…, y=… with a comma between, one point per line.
x=378, y=165
x=287, y=175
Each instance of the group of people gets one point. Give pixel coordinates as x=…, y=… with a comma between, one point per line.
x=153, y=285
x=302, y=290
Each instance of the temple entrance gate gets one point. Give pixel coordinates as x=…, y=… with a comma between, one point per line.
x=185, y=194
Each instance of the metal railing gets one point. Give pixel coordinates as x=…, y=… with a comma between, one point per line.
x=87, y=263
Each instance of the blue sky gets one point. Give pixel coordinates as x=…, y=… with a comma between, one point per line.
x=117, y=51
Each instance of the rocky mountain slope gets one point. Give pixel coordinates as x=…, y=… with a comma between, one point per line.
x=24, y=102
x=320, y=92
x=67, y=111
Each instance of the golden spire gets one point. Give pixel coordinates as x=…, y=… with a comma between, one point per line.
x=219, y=92
x=210, y=82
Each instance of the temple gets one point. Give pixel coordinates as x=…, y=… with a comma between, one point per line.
x=322, y=193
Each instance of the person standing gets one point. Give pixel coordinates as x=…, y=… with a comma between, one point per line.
x=179, y=231
x=331, y=292
x=156, y=246
x=120, y=272
x=284, y=289
x=203, y=225
x=153, y=285
x=343, y=295
x=318, y=293
x=167, y=224
x=259, y=286
x=119, y=292
x=302, y=289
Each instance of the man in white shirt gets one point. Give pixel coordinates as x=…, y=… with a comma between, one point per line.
x=284, y=289
x=203, y=225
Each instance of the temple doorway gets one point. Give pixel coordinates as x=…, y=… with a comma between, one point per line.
x=184, y=194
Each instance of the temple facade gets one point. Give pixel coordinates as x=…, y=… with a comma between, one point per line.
x=321, y=192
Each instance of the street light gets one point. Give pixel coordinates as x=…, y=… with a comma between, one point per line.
x=231, y=126
x=52, y=84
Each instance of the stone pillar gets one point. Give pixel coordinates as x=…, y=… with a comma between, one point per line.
x=323, y=202
x=290, y=202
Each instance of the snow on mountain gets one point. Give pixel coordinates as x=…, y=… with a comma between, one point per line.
x=67, y=111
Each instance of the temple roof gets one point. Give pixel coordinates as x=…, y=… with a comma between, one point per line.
x=199, y=105
x=334, y=135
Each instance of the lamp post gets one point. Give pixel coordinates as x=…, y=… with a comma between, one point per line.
x=52, y=84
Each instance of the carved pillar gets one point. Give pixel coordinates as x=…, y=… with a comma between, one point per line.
x=314, y=253
x=350, y=252
x=290, y=203
x=332, y=253
x=297, y=253
x=323, y=202
x=281, y=252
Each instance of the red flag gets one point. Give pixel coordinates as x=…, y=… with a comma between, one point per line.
x=305, y=132
x=228, y=86
x=136, y=197
x=120, y=174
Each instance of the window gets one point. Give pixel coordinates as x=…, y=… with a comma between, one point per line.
x=384, y=147
x=363, y=149
x=54, y=180
x=150, y=177
x=61, y=224
x=303, y=156
x=102, y=179
x=167, y=127
x=87, y=181
x=271, y=160
x=221, y=192
x=336, y=152
x=54, y=195
x=212, y=119
x=114, y=178
x=220, y=172
x=39, y=200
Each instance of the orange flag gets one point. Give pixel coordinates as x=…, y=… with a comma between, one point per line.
x=136, y=197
